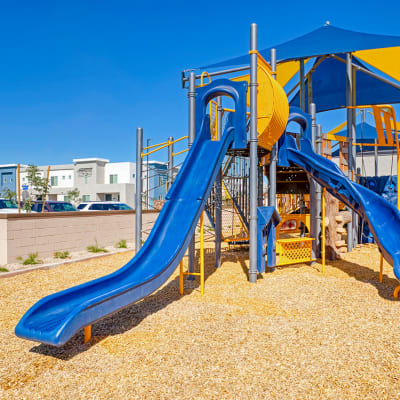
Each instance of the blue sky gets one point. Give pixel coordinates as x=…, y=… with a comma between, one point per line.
x=78, y=77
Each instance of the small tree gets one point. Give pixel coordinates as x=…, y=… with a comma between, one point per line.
x=9, y=195
x=74, y=196
x=37, y=183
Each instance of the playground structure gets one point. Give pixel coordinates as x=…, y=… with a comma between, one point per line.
x=230, y=149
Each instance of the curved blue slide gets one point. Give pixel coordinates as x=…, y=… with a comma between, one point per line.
x=383, y=218
x=56, y=318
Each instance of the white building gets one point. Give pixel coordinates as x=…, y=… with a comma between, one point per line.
x=99, y=180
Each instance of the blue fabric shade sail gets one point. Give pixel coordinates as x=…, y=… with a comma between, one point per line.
x=324, y=40
x=329, y=87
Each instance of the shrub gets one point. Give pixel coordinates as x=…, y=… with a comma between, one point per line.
x=121, y=244
x=61, y=254
x=31, y=260
x=96, y=249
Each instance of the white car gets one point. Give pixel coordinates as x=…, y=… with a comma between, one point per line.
x=103, y=206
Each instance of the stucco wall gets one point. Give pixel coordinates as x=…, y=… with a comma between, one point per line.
x=23, y=234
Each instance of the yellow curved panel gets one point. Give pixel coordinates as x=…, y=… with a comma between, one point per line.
x=272, y=105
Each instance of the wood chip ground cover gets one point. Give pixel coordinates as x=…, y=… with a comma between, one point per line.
x=296, y=334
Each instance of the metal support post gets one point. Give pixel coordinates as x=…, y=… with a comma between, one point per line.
x=170, y=162
x=260, y=195
x=313, y=184
x=218, y=193
x=253, y=154
x=302, y=86
x=192, y=134
x=318, y=196
x=355, y=218
x=349, y=103
x=138, y=194
x=376, y=157
x=274, y=150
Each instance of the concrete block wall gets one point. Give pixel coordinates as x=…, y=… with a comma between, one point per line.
x=22, y=234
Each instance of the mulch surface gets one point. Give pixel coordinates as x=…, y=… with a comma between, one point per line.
x=296, y=334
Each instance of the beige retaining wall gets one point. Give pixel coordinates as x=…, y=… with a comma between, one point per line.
x=22, y=234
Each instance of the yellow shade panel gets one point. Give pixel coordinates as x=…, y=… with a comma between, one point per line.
x=385, y=60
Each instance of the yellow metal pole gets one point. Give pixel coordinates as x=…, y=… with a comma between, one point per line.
x=323, y=231
x=202, y=253
x=19, y=188
x=47, y=185
x=181, y=277
x=87, y=333
x=381, y=270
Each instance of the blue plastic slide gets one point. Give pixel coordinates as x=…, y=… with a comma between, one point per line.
x=383, y=218
x=56, y=318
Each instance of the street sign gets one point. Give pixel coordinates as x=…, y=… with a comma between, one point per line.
x=25, y=187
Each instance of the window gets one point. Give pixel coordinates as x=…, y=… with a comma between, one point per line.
x=62, y=207
x=161, y=180
x=63, y=178
x=133, y=175
x=86, y=197
x=23, y=179
x=82, y=205
x=114, y=178
x=67, y=198
x=54, y=181
x=69, y=176
x=86, y=180
x=96, y=207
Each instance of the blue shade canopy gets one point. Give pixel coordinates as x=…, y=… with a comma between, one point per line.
x=322, y=41
x=329, y=87
x=365, y=133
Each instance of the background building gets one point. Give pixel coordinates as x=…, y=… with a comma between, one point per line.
x=97, y=180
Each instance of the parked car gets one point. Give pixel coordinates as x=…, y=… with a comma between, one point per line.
x=53, y=206
x=103, y=206
x=9, y=206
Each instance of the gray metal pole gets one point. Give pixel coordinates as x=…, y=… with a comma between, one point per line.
x=170, y=162
x=354, y=153
x=318, y=195
x=274, y=150
x=376, y=157
x=253, y=155
x=138, y=194
x=302, y=86
x=192, y=134
x=218, y=194
x=349, y=103
x=313, y=184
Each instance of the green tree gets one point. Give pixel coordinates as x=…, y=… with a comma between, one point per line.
x=9, y=195
x=37, y=183
x=73, y=195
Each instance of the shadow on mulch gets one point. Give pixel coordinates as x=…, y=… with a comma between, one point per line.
x=129, y=317
x=367, y=275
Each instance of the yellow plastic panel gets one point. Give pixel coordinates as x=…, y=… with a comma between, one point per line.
x=272, y=105
x=294, y=251
x=386, y=60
